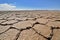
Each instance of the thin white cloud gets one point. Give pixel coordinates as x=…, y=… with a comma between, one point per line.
x=6, y=6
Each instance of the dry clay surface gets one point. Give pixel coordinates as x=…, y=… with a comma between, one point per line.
x=29, y=25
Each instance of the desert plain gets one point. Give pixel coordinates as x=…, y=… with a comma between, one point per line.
x=30, y=25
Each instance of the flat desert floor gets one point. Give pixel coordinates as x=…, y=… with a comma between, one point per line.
x=30, y=25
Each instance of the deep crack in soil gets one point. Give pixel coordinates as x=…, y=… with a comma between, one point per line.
x=52, y=28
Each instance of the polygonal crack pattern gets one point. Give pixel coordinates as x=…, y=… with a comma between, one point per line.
x=29, y=25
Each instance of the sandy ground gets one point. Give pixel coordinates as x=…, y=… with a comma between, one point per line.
x=29, y=25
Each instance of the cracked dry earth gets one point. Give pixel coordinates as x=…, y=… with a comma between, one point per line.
x=29, y=25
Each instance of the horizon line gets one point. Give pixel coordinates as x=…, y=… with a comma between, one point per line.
x=31, y=10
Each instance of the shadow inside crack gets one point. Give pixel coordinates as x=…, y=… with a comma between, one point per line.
x=57, y=20
x=5, y=24
x=17, y=36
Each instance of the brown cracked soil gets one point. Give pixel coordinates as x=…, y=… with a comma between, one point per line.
x=29, y=25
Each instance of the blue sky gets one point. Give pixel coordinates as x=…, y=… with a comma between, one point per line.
x=32, y=4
